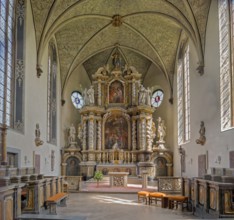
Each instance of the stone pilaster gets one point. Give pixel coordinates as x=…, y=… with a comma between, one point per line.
x=169, y=169
x=144, y=179
x=63, y=170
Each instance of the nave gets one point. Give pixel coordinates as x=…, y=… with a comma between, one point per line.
x=94, y=206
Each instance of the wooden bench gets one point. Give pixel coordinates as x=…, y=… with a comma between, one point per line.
x=53, y=201
x=143, y=195
x=174, y=201
x=156, y=196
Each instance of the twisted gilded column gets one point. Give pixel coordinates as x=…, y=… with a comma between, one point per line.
x=84, y=135
x=99, y=134
x=133, y=133
x=149, y=134
x=143, y=133
x=91, y=133
x=99, y=93
x=134, y=102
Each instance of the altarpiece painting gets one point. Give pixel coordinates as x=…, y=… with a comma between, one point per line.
x=116, y=132
x=116, y=92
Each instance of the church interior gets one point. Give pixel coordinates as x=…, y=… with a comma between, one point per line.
x=140, y=92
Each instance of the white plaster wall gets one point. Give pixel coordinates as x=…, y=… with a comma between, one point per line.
x=78, y=81
x=205, y=105
x=156, y=79
x=35, y=109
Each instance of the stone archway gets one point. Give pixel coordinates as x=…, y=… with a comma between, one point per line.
x=163, y=163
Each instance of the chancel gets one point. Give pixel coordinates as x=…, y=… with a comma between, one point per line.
x=117, y=129
x=135, y=95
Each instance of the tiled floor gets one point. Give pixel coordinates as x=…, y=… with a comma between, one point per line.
x=105, y=206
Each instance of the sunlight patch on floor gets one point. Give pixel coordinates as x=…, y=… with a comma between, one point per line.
x=115, y=200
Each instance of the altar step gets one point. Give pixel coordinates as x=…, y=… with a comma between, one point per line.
x=106, y=179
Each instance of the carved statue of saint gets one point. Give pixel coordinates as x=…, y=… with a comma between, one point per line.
x=72, y=134
x=202, y=131
x=86, y=101
x=161, y=130
x=116, y=60
x=148, y=96
x=80, y=133
x=90, y=94
x=38, y=140
x=142, y=95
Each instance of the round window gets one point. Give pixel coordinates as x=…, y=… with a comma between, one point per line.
x=157, y=98
x=77, y=100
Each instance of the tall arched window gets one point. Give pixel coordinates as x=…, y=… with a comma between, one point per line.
x=226, y=37
x=6, y=60
x=19, y=84
x=52, y=95
x=183, y=97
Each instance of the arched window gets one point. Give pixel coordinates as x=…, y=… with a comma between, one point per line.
x=157, y=98
x=183, y=97
x=6, y=60
x=19, y=84
x=52, y=95
x=226, y=37
x=77, y=99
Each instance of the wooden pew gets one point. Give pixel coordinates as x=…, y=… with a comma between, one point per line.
x=53, y=201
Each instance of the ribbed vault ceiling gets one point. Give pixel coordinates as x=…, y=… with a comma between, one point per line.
x=146, y=32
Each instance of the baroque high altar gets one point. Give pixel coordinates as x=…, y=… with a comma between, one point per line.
x=117, y=129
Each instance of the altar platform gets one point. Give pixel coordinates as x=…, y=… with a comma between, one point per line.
x=104, y=187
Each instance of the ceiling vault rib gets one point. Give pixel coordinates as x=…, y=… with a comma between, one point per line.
x=53, y=30
x=198, y=43
x=79, y=63
x=82, y=48
x=189, y=30
x=145, y=33
x=34, y=25
x=44, y=26
x=151, y=46
x=198, y=36
x=103, y=49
